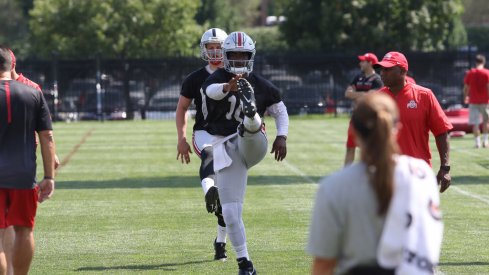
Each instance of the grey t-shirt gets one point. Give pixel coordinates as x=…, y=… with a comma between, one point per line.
x=345, y=224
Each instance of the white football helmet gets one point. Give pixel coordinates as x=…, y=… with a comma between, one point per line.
x=213, y=35
x=239, y=42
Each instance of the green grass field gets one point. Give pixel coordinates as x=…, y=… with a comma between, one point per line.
x=124, y=205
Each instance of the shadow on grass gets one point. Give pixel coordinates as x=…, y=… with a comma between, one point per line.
x=467, y=180
x=463, y=263
x=165, y=267
x=174, y=181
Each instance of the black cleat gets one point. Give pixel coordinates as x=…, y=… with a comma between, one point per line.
x=247, y=96
x=220, y=249
x=245, y=267
x=211, y=199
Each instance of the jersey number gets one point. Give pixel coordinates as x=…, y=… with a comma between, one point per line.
x=234, y=110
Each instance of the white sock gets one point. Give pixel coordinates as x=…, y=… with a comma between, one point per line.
x=242, y=252
x=221, y=234
x=206, y=184
x=252, y=124
x=485, y=137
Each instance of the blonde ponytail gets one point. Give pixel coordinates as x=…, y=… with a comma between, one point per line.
x=374, y=121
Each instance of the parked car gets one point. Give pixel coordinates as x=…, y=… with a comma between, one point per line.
x=447, y=96
x=305, y=99
x=286, y=81
x=166, y=99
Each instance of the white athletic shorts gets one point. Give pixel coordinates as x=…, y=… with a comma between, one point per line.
x=200, y=140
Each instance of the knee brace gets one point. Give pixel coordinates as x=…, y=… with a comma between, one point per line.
x=207, y=164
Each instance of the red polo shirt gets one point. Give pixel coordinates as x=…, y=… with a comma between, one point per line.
x=420, y=113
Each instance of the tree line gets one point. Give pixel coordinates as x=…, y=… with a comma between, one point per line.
x=162, y=28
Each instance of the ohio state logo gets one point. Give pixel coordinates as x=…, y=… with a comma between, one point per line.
x=412, y=105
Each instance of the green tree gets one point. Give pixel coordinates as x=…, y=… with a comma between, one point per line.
x=360, y=25
x=268, y=39
x=230, y=15
x=14, y=30
x=116, y=29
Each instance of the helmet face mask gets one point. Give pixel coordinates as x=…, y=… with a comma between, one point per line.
x=211, y=45
x=213, y=53
x=234, y=46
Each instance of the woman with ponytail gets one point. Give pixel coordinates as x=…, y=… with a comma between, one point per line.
x=353, y=205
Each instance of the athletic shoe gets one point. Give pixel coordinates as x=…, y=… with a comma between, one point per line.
x=245, y=267
x=220, y=249
x=211, y=199
x=247, y=96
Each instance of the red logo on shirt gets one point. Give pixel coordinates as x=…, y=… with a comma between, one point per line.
x=412, y=105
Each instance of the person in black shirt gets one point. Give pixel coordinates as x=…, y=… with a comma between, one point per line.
x=368, y=80
x=23, y=110
x=211, y=51
x=236, y=101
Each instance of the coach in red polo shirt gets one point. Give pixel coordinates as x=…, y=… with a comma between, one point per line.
x=420, y=113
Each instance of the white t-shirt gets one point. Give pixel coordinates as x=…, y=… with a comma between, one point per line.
x=345, y=222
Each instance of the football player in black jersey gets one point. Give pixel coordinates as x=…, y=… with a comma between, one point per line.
x=236, y=101
x=211, y=51
x=366, y=81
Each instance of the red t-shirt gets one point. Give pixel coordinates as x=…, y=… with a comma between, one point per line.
x=477, y=80
x=419, y=113
x=24, y=80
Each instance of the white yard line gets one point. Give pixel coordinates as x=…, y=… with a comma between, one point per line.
x=470, y=195
x=298, y=172
x=457, y=189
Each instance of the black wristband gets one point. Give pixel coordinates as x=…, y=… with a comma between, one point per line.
x=445, y=168
x=284, y=137
x=48, y=178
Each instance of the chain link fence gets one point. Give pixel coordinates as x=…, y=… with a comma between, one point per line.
x=100, y=89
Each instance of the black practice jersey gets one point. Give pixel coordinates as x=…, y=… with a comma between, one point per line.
x=23, y=111
x=222, y=117
x=365, y=84
x=191, y=88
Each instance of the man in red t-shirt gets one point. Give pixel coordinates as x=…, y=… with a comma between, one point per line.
x=420, y=113
x=476, y=94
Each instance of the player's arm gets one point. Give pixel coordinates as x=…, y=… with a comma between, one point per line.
x=279, y=112
x=351, y=93
x=183, y=147
x=443, y=176
x=466, y=93
x=218, y=91
x=46, y=187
